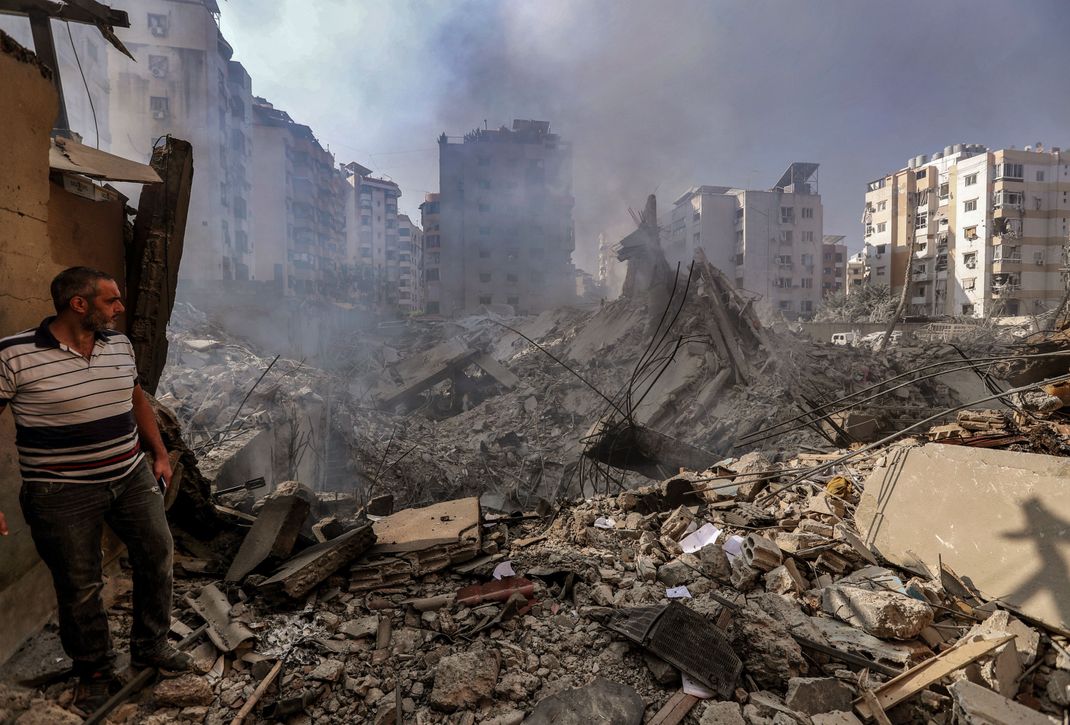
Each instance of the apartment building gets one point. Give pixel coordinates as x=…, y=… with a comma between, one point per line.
x=769, y=242
x=410, y=258
x=372, y=252
x=856, y=271
x=504, y=232
x=430, y=284
x=833, y=264
x=989, y=230
x=185, y=83
x=299, y=208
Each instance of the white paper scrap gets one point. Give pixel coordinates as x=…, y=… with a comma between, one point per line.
x=604, y=523
x=704, y=536
x=504, y=569
x=679, y=592
x=690, y=687
x=733, y=546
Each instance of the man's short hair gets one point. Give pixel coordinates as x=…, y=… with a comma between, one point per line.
x=75, y=282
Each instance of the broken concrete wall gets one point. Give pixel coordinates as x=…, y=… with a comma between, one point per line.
x=43, y=229
x=1002, y=518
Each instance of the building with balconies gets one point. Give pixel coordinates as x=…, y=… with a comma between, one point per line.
x=410, y=255
x=372, y=253
x=833, y=265
x=503, y=233
x=768, y=241
x=989, y=229
x=298, y=208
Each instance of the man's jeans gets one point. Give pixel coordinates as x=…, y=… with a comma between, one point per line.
x=67, y=521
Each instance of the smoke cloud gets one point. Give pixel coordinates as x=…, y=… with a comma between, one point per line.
x=664, y=95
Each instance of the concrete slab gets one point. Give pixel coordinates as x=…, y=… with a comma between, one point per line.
x=449, y=522
x=275, y=531
x=298, y=576
x=415, y=374
x=976, y=705
x=1000, y=519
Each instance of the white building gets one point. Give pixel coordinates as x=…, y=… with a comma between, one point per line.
x=769, y=242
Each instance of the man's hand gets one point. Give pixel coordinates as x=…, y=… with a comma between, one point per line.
x=161, y=468
x=3, y=524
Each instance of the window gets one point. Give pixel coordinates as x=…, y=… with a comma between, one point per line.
x=920, y=173
x=945, y=190
x=869, y=230
x=159, y=65
x=808, y=236
x=970, y=260
x=787, y=215
x=807, y=260
x=1009, y=171
x=881, y=249
x=806, y=306
x=485, y=299
x=785, y=304
x=880, y=271
x=967, y=309
x=1040, y=176
x=882, y=227
x=160, y=107
x=807, y=212
x=783, y=282
x=807, y=283
x=969, y=179
x=970, y=233
x=921, y=220
x=159, y=25
x=1008, y=198
x=484, y=276
x=484, y=253
x=432, y=308
x=786, y=236
x=970, y=205
x=1038, y=259
x=882, y=205
x=431, y=275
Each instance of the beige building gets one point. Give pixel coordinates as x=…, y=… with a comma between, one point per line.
x=372, y=236
x=504, y=231
x=769, y=242
x=989, y=230
x=184, y=83
x=833, y=265
x=856, y=271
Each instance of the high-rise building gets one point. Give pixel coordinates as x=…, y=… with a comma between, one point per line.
x=769, y=242
x=989, y=230
x=430, y=282
x=856, y=271
x=185, y=83
x=505, y=233
x=410, y=256
x=298, y=200
x=372, y=236
x=833, y=265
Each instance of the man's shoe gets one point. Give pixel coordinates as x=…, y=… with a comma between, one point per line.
x=94, y=690
x=168, y=660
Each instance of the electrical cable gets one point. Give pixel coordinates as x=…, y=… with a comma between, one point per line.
x=92, y=108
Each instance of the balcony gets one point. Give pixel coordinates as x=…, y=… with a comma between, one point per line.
x=1006, y=290
x=919, y=275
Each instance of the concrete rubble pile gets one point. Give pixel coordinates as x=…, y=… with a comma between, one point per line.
x=750, y=592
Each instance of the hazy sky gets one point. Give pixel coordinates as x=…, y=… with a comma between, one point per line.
x=663, y=96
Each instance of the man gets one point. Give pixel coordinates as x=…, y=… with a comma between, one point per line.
x=81, y=420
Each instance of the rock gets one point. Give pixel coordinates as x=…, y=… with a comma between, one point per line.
x=675, y=573
x=195, y=714
x=185, y=691
x=835, y=718
x=463, y=680
x=813, y=695
x=601, y=701
x=722, y=713
x=517, y=685
x=43, y=712
x=977, y=705
x=769, y=653
x=662, y=671
x=747, y=486
x=360, y=627
x=509, y=717
x=602, y=595
x=744, y=578
x=786, y=579
x=677, y=522
x=122, y=714
x=714, y=562
x=764, y=706
x=880, y=612
x=1059, y=687
x=328, y=671
x=15, y=697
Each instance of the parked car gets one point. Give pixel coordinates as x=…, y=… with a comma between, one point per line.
x=845, y=338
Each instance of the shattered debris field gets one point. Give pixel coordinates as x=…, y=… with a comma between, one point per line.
x=658, y=511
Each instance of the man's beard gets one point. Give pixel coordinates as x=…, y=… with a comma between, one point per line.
x=95, y=322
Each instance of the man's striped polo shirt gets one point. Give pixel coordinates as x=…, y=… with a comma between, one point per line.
x=74, y=417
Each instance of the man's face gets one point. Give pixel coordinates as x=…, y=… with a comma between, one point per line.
x=103, y=307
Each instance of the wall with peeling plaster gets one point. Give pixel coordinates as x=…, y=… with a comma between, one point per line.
x=43, y=229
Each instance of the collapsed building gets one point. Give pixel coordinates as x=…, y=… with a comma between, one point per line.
x=658, y=511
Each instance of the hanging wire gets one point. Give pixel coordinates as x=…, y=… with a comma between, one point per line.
x=92, y=108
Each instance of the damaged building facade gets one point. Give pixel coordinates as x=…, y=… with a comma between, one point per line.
x=988, y=228
x=505, y=233
x=768, y=242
